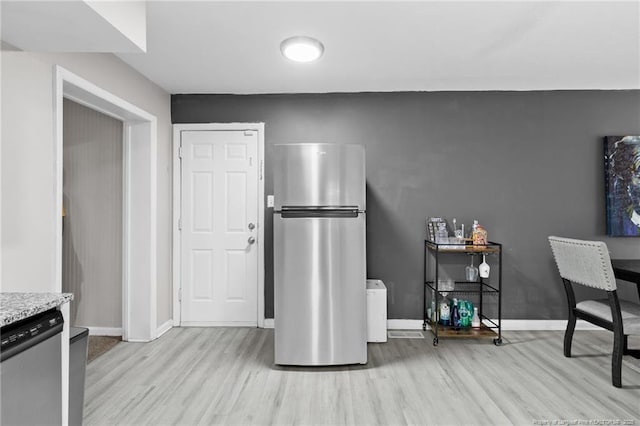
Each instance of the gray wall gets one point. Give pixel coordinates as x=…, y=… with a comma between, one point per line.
x=526, y=164
x=92, y=227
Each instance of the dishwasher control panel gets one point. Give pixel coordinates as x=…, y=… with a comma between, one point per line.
x=38, y=326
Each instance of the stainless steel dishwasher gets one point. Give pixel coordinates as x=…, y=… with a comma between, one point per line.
x=30, y=371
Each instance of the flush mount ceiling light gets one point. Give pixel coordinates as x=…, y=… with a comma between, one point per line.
x=301, y=49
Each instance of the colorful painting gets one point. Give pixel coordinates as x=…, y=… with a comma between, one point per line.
x=622, y=184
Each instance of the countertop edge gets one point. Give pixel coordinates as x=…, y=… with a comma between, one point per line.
x=18, y=306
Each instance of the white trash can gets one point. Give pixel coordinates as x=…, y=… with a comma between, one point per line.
x=376, y=311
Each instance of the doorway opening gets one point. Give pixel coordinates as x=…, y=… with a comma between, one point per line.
x=139, y=200
x=92, y=218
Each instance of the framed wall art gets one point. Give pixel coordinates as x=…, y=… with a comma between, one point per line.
x=622, y=185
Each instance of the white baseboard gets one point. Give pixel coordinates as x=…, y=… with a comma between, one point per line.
x=507, y=325
x=218, y=324
x=103, y=331
x=268, y=323
x=168, y=325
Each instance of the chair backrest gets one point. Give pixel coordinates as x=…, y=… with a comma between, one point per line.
x=584, y=262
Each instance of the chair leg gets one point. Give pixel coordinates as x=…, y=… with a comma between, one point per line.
x=616, y=361
x=619, y=340
x=571, y=324
x=568, y=334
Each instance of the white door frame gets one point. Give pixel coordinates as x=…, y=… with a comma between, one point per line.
x=139, y=301
x=177, y=209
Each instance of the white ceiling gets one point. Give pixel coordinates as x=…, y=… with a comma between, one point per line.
x=74, y=26
x=233, y=47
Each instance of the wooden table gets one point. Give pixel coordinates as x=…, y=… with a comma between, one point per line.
x=628, y=270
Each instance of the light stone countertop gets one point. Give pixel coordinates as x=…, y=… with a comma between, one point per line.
x=17, y=306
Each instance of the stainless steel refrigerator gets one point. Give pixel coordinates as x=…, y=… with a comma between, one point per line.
x=319, y=254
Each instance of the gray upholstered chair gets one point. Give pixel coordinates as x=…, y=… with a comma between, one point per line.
x=588, y=263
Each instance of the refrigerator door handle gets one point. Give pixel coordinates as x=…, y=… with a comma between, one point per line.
x=312, y=208
x=346, y=212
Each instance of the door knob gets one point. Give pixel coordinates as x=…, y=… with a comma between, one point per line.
x=251, y=240
x=251, y=226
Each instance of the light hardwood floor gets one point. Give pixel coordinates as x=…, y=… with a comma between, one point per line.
x=226, y=376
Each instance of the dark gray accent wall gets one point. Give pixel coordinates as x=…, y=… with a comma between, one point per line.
x=525, y=164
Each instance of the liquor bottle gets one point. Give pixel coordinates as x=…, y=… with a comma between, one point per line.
x=434, y=314
x=465, y=307
x=475, y=321
x=479, y=235
x=445, y=312
x=455, y=315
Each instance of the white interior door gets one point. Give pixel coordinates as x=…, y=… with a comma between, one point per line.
x=219, y=227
